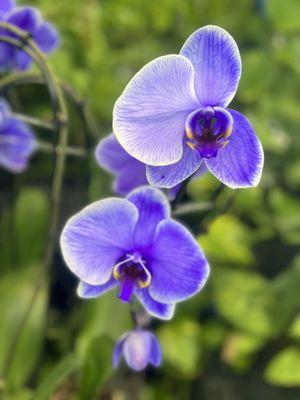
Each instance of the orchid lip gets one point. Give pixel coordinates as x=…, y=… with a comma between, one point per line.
x=131, y=273
x=208, y=130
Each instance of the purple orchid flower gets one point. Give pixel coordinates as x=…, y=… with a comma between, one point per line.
x=139, y=349
x=173, y=115
x=135, y=244
x=17, y=142
x=129, y=172
x=30, y=20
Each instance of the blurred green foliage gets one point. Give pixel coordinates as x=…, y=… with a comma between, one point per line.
x=240, y=338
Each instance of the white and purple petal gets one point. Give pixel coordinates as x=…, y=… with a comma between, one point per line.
x=179, y=268
x=153, y=207
x=86, y=291
x=149, y=117
x=171, y=175
x=217, y=63
x=93, y=240
x=129, y=172
x=153, y=307
x=240, y=163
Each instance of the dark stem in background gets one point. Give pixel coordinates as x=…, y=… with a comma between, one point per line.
x=26, y=44
x=260, y=7
x=181, y=192
x=80, y=104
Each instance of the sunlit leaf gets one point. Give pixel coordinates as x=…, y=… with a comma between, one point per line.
x=181, y=348
x=240, y=349
x=227, y=241
x=16, y=294
x=243, y=298
x=284, y=368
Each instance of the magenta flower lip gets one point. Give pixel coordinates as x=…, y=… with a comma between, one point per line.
x=134, y=244
x=156, y=119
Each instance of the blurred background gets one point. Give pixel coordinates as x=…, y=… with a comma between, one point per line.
x=240, y=338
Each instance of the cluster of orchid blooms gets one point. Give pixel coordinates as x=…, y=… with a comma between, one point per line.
x=170, y=124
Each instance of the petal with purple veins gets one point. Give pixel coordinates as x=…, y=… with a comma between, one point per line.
x=153, y=207
x=149, y=117
x=240, y=163
x=171, y=175
x=217, y=63
x=95, y=239
x=86, y=291
x=178, y=266
x=153, y=307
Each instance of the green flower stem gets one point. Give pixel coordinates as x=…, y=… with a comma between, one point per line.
x=70, y=151
x=34, y=121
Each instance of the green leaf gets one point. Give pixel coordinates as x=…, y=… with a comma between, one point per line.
x=31, y=224
x=244, y=299
x=285, y=291
x=284, y=368
x=294, y=330
x=16, y=293
x=68, y=365
x=286, y=215
x=182, y=351
x=240, y=349
x=97, y=366
x=227, y=241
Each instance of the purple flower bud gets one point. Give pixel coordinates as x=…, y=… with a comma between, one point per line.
x=139, y=348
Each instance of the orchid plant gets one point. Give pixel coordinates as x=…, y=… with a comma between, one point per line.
x=171, y=123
